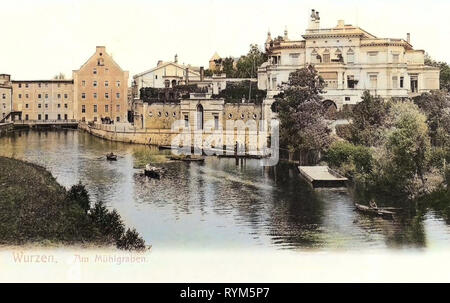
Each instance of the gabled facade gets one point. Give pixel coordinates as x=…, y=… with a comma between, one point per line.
x=350, y=60
x=165, y=75
x=101, y=89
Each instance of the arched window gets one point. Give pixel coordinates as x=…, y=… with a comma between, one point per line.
x=338, y=55
x=174, y=83
x=199, y=116
x=350, y=56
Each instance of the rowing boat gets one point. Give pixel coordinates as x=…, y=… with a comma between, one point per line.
x=376, y=211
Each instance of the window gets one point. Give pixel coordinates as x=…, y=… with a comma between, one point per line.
x=83, y=108
x=83, y=83
x=347, y=98
x=94, y=71
x=294, y=58
x=26, y=85
x=26, y=105
x=106, y=108
x=315, y=58
x=106, y=83
x=39, y=117
x=39, y=96
x=186, y=120
x=106, y=95
x=59, y=116
x=39, y=105
x=94, y=83
x=394, y=82
x=414, y=83
x=216, y=121
x=95, y=119
x=95, y=108
x=395, y=58
x=20, y=85
x=46, y=116
x=46, y=106
x=65, y=105
x=373, y=81
x=46, y=96
x=156, y=76
x=26, y=96
x=3, y=96
x=20, y=96
x=65, y=96
x=402, y=80
x=26, y=117
x=372, y=57
x=326, y=57
x=83, y=96
x=118, y=107
x=59, y=105
x=65, y=116
x=118, y=95
x=118, y=83
x=118, y=119
x=95, y=95
x=351, y=83
x=59, y=96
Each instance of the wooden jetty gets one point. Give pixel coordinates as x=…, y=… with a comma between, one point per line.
x=322, y=176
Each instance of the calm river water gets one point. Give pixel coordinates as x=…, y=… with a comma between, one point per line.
x=220, y=204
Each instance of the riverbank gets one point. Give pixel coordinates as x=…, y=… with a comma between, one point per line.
x=35, y=209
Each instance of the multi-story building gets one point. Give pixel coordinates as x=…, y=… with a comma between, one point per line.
x=350, y=60
x=44, y=99
x=5, y=96
x=101, y=89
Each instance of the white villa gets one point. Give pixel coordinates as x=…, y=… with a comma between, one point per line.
x=350, y=60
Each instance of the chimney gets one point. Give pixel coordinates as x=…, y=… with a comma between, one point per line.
x=187, y=75
x=408, y=38
x=176, y=58
x=159, y=63
x=202, y=73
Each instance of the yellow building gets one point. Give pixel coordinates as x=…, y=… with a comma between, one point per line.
x=44, y=99
x=100, y=89
x=5, y=96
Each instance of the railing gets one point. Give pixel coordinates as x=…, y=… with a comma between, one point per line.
x=69, y=121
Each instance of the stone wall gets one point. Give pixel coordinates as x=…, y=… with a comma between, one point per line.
x=5, y=128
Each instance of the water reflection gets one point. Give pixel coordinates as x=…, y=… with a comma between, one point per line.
x=222, y=203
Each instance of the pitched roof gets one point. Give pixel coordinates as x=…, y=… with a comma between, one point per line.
x=215, y=57
x=164, y=64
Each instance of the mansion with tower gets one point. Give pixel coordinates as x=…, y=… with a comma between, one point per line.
x=350, y=60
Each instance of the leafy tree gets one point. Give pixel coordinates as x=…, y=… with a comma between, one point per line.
x=79, y=195
x=247, y=66
x=368, y=120
x=301, y=113
x=108, y=222
x=236, y=91
x=341, y=152
x=228, y=67
x=436, y=105
x=444, y=77
x=408, y=144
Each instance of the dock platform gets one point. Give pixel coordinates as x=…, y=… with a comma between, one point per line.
x=322, y=176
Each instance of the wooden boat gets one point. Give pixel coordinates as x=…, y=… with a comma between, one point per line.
x=153, y=172
x=387, y=212
x=111, y=157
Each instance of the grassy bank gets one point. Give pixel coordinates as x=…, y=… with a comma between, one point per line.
x=34, y=208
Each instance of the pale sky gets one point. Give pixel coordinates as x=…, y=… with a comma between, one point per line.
x=41, y=38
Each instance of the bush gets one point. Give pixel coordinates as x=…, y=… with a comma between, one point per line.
x=344, y=131
x=131, y=241
x=78, y=194
x=108, y=222
x=342, y=152
x=447, y=178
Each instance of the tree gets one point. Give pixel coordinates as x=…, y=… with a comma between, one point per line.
x=59, y=76
x=228, y=67
x=436, y=105
x=131, y=241
x=368, y=120
x=301, y=114
x=247, y=66
x=408, y=143
x=79, y=195
x=444, y=77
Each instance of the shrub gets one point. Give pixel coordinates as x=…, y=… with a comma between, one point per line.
x=108, y=222
x=131, y=241
x=344, y=131
x=79, y=195
x=342, y=152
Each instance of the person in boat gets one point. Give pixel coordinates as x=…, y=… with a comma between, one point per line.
x=373, y=204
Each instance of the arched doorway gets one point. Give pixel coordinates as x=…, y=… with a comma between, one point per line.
x=174, y=83
x=330, y=109
x=199, y=116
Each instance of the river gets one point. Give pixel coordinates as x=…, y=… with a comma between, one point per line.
x=220, y=204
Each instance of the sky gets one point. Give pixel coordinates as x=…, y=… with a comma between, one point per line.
x=40, y=38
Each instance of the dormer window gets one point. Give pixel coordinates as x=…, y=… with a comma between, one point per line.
x=100, y=61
